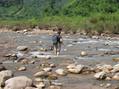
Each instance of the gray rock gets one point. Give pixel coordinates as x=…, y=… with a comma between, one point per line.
x=76, y=69
x=83, y=53
x=54, y=87
x=20, y=82
x=24, y=61
x=41, y=74
x=116, y=76
x=108, y=85
x=116, y=59
x=40, y=85
x=4, y=75
x=61, y=72
x=106, y=68
x=52, y=65
x=2, y=68
x=56, y=83
x=23, y=68
x=100, y=75
x=32, y=62
x=115, y=68
x=31, y=88
x=11, y=57
x=38, y=80
x=22, y=48
x=48, y=69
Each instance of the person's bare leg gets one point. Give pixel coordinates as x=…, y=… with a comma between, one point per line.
x=59, y=49
x=56, y=49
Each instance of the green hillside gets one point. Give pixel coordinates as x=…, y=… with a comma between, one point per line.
x=90, y=15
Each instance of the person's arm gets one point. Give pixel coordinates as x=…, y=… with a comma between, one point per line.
x=61, y=40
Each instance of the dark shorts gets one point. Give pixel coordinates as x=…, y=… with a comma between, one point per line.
x=57, y=45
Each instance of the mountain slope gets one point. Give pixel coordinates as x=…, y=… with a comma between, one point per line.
x=38, y=8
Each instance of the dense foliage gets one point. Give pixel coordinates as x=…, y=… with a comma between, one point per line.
x=90, y=15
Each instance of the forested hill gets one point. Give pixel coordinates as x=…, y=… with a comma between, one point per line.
x=74, y=11
x=38, y=8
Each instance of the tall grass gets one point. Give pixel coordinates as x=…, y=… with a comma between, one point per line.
x=95, y=23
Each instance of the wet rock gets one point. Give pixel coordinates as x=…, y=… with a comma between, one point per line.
x=11, y=57
x=52, y=76
x=108, y=78
x=24, y=61
x=40, y=85
x=116, y=76
x=116, y=87
x=71, y=66
x=54, y=87
x=100, y=75
x=115, y=59
x=88, y=70
x=76, y=69
x=48, y=69
x=43, y=49
x=7, y=55
x=108, y=85
x=4, y=75
x=101, y=85
x=83, y=53
x=22, y=48
x=61, y=72
x=48, y=57
x=23, y=68
x=115, y=68
x=31, y=88
x=95, y=37
x=41, y=74
x=34, y=42
x=25, y=30
x=38, y=80
x=32, y=62
x=106, y=68
x=19, y=82
x=2, y=68
x=52, y=65
x=56, y=83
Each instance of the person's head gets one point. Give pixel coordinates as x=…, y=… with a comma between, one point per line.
x=59, y=31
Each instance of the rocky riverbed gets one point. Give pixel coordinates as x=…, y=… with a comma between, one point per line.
x=27, y=61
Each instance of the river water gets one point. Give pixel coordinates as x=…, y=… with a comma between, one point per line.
x=100, y=50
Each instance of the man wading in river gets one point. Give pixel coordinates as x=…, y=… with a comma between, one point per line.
x=57, y=41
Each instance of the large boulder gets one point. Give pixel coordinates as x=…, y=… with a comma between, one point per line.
x=100, y=75
x=22, y=48
x=115, y=68
x=4, y=75
x=116, y=76
x=76, y=69
x=61, y=72
x=106, y=68
x=20, y=82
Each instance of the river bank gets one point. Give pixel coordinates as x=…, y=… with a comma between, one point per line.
x=97, y=49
